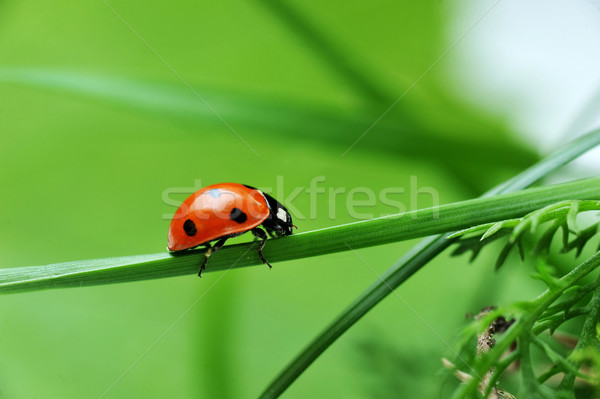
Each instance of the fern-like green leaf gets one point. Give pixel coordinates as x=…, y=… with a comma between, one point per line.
x=572, y=216
x=499, y=225
x=582, y=239
x=563, y=214
x=545, y=274
x=518, y=231
x=475, y=245
x=470, y=230
x=504, y=254
x=543, y=244
x=558, y=359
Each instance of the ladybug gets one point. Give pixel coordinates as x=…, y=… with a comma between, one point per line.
x=223, y=211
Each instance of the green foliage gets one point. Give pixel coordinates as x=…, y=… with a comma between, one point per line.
x=561, y=214
x=567, y=297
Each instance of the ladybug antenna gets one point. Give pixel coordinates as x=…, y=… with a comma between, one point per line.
x=296, y=227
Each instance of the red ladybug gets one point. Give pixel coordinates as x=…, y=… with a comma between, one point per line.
x=226, y=210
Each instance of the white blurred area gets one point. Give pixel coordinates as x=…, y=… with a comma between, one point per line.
x=537, y=63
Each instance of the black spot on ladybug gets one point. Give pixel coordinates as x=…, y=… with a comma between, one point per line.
x=215, y=193
x=190, y=228
x=238, y=216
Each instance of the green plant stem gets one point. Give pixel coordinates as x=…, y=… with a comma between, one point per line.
x=556, y=320
x=567, y=304
x=588, y=339
x=528, y=381
x=548, y=374
x=368, y=233
x=359, y=76
x=410, y=263
x=501, y=366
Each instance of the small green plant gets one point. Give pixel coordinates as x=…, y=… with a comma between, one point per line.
x=534, y=323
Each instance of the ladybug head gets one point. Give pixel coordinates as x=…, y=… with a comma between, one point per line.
x=279, y=221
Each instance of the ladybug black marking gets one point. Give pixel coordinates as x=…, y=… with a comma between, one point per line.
x=190, y=228
x=237, y=215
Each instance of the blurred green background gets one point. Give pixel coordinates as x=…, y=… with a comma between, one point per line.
x=106, y=107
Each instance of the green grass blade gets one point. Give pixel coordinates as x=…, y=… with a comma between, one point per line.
x=361, y=234
x=409, y=264
x=177, y=104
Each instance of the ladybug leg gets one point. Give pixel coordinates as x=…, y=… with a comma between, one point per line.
x=259, y=233
x=211, y=250
x=206, y=256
